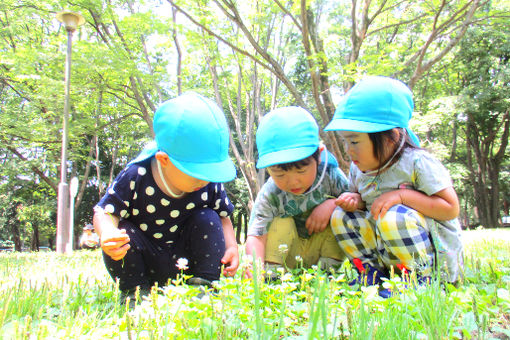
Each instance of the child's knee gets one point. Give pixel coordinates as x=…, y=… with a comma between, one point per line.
x=401, y=217
x=204, y=217
x=280, y=238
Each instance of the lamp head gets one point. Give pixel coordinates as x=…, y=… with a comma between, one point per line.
x=71, y=20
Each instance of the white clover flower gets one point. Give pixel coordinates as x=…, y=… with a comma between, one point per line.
x=182, y=263
x=299, y=258
x=286, y=277
x=283, y=248
x=315, y=267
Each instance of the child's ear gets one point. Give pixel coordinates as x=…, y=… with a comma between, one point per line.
x=396, y=133
x=162, y=157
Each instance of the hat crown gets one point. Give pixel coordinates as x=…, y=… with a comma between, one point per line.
x=192, y=128
x=375, y=104
x=288, y=133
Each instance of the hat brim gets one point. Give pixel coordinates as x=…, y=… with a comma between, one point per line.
x=285, y=156
x=342, y=124
x=218, y=172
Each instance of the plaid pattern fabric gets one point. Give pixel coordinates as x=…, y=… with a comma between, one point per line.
x=401, y=237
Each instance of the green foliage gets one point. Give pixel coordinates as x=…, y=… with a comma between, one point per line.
x=54, y=296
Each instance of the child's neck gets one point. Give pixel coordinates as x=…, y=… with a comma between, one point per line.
x=162, y=183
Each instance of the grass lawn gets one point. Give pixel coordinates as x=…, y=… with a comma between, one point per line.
x=50, y=296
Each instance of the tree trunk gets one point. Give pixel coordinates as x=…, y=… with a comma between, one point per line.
x=34, y=244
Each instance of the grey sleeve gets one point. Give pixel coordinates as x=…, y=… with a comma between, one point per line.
x=263, y=212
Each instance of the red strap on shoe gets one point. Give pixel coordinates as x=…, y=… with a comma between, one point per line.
x=359, y=265
x=402, y=268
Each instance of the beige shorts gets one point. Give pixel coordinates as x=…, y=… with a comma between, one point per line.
x=282, y=231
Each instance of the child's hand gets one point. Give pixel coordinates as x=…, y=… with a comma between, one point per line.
x=349, y=201
x=248, y=271
x=385, y=202
x=319, y=218
x=231, y=261
x=115, y=243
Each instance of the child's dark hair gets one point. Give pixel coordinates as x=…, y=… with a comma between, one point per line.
x=380, y=143
x=299, y=164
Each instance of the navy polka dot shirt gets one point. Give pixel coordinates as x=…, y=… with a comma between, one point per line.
x=135, y=196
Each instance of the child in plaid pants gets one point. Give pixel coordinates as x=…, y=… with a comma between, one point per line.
x=402, y=209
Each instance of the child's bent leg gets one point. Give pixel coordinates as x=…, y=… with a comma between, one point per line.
x=204, y=244
x=143, y=265
x=405, y=237
x=281, y=242
x=355, y=235
x=331, y=254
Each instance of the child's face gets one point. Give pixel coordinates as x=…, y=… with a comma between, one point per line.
x=361, y=150
x=180, y=180
x=296, y=181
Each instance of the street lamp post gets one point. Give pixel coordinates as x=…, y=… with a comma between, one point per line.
x=73, y=191
x=71, y=21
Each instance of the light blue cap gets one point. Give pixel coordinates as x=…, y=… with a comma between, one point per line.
x=286, y=135
x=193, y=132
x=375, y=104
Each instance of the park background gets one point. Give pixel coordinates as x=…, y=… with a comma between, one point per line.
x=250, y=57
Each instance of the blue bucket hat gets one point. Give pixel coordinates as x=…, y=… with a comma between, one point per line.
x=193, y=132
x=375, y=104
x=285, y=135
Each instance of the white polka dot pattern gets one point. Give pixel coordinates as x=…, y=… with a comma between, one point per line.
x=155, y=213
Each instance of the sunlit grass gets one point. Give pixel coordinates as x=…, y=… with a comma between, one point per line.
x=50, y=296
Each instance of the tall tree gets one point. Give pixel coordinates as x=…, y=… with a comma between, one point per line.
x=485, y=78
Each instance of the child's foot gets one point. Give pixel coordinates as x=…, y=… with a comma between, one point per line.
x=328, y=263
x=368, y=275
x=203, y=285
x=410, y=283
x=134, y=296
x=272, y=272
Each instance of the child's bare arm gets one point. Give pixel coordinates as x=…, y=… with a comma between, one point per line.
x=231, y=257
x=255, y=244
x=320, y=216
x=114, y=242
x=442, y=206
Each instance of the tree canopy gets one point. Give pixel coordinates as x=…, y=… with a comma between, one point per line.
x=250, y=57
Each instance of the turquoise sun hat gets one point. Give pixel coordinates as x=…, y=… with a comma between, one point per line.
x=375, y=104
x=285, y=135
x=193, y=132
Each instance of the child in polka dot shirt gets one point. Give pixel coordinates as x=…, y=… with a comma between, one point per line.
x=169, y=203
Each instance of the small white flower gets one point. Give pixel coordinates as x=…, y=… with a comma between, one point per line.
x=182, y=263
x=299, y=258
x=283, y=248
